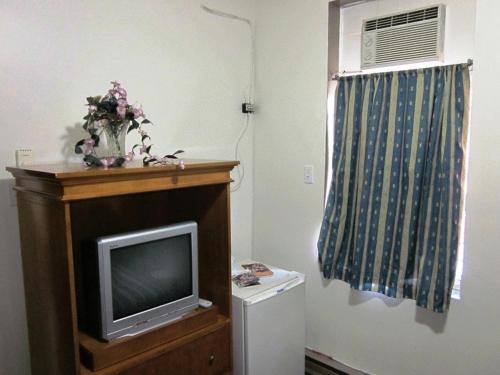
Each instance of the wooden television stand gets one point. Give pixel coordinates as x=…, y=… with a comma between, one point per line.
x=61, y=205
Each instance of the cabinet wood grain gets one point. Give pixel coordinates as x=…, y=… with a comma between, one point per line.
x=60, y=205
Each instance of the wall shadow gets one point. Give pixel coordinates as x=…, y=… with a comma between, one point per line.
x=433, y=320
x=14, y=338
x=358, y=297
x=324, y=281
x=72, y=135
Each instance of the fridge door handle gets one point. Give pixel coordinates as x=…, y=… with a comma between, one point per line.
x=274, y=291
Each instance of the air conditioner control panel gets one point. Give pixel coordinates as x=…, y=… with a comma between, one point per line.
x=368, y=49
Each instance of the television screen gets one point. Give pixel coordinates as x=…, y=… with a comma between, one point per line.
x=150, y=274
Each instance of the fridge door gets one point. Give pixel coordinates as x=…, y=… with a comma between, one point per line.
x=275, y=333
x=238, y=336
x=291, y=281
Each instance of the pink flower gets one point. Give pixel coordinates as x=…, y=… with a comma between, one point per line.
x=143, y=149
x=129, y=156
x=138, y=112
x=122, y=92
x=115, y=84
x=121, y=111
x=181, y=164
x=100, y=123
x=106, y=162
x=122, y=102
x=112, y=92
x=89, y=146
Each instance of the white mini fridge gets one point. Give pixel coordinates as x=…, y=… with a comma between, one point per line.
x=269, y=324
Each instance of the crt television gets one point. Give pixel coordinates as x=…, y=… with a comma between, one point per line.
x=135, y=281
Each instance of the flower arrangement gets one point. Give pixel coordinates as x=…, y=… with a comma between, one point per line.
x=113, y=117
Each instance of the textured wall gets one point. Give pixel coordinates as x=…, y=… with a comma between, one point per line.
x=189, y=69
x=367, y=331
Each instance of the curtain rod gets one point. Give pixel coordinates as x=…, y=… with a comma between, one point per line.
x=336, y=76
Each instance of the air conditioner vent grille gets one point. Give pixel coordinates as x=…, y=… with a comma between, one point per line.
x=402, y=38
x=402, y=19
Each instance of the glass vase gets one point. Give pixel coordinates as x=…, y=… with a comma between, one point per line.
x=112, y=142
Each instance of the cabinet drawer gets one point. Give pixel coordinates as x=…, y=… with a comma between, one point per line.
x=213, y=352
x=209, y=355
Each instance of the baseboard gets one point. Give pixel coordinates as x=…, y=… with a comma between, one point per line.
x=315, y=367
x=318, y=363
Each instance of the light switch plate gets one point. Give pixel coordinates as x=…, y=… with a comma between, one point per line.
x=308, y=174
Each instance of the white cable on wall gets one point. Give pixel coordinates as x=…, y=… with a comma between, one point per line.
x=240, y=169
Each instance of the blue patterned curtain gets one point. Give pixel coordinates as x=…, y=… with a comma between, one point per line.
x=392, y=218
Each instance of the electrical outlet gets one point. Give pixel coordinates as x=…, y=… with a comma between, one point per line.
x=24, y=157
x=247, y=108
x=308, y=174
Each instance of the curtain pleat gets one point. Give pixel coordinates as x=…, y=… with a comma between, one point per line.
x=391, y=222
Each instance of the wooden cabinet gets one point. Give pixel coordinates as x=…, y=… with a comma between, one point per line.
x=61, y=205
x=208, y=355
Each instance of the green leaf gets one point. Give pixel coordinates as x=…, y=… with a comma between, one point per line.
x=96, y=139
x=131, y=127
x=144, y=137
x=148, y=148
x=91, y=160
x=172, y=156
x=78, y=146
x=134, y=125
x=119, y=162
x=146, y=121
x=93, y=100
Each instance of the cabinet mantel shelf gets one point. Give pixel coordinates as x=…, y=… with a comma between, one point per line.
x=69, y=182
x=61, y=205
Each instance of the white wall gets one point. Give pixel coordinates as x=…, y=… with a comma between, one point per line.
x=289, y=130
x=188, y=68
x=367, y=331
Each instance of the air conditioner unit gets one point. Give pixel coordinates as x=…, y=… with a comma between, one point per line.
x=402, y=38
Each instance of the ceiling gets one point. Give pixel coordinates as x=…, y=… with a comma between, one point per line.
x=344, y=3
